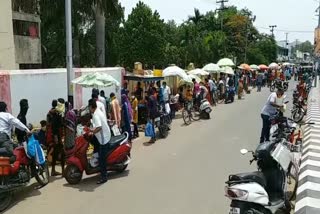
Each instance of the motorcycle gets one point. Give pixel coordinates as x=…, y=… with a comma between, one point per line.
x=263, y=191
x=17, y=171
x=230, y=95
x=118, y=157
x=298, y=111
x=279, y=84
x=163, y=122
x=205, y=109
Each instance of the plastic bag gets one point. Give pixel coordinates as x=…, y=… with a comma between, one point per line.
x=94, y=161
x=149, y=130
x=167, y=107
x=35, y=151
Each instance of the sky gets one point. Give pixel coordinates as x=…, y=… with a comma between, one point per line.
x=296, y=17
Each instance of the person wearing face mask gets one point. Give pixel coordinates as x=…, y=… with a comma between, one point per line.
x=134, y=105
x=269, y=109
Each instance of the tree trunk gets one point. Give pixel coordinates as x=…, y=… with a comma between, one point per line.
x=100, y=36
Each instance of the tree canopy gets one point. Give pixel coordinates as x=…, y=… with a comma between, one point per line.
x=145, y=37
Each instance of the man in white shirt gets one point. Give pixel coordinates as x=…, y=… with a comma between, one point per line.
x=269, y=109
x=166, y=92
x=102, y=132
x=7, y=121
x=100, y=105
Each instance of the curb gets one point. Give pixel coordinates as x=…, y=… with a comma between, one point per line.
x=308, y=193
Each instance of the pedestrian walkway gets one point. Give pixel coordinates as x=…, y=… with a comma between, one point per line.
x=308, y=194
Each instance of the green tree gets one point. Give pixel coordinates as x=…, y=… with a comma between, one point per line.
x=142, y=37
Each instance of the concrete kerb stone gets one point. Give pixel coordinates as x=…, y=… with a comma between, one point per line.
x=308, y=193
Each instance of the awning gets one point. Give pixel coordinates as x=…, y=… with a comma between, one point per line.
x=141, y=78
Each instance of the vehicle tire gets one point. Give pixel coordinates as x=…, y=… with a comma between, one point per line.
x=163, y=131
x=42, y=174
x=254, y=211
x=5, y=200
x=298, y=116
x=272, y=88
x=292, y=182
x=123, y=168
x=195, y=115
x=285, y=87
x=186, y=117
x=72, y=174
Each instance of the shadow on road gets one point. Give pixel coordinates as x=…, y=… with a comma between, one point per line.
x=24, y=193
x=90, y=184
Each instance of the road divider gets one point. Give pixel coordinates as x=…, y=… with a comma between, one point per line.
x=308, y=193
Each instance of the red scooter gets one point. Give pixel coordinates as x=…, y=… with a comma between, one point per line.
x=117, y=159
x=16, y=172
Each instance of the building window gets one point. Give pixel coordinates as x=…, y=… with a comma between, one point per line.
x=29, y=66
x=26, y=6
x=26, y=28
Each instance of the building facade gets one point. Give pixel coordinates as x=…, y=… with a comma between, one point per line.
x=20, y=41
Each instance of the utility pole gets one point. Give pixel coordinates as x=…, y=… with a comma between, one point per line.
x=222, y=7
x=287, y=45
x=70, y=73
x=272, y=27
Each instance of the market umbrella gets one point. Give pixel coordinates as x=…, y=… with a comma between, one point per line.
x=187, y=80
x=192, y=76
x=96, y=80
x=254, y=67
x=227, y=70
x=273, y=65
x=199, y=72
x=225, y=62
x=245, y=67
x=212, y=68
x=286, y=64
x=174, y=71
x=263, y=67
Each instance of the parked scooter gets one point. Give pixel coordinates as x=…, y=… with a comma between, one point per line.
x=263, y=191
x=16, y=172
x=205, y=109
x=117, y=159
x=230, y=95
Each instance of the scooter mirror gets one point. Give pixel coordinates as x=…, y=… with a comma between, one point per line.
x=243, y=151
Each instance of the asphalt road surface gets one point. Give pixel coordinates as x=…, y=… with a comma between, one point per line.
x=184, y=173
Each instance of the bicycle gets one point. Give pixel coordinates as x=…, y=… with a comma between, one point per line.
x=189, y=113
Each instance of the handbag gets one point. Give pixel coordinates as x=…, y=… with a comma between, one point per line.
x=149, y=130
x=115, y=130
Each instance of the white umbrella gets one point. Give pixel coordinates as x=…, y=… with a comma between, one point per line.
x=212, y=68
x=199, y=72
x=174, y=71
x=286, y=64
x=227, y=70
x=96, y=80
x=254, y=67
x=192, y=76
x=273, y=65
x=225, y=62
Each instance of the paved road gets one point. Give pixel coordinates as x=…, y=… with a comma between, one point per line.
x=183, y=174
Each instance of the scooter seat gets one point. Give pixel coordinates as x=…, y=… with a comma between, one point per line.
x=257, y=177
x=116, y=140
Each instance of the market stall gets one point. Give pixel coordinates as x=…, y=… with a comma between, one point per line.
x=145, y=80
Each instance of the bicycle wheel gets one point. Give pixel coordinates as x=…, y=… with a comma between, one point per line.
x=195, y=115
x=186, y=117
x=292, y=181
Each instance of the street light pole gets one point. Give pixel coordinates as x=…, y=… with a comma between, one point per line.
x=70, y=73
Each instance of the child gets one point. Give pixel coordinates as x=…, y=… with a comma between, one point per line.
x=41, y=134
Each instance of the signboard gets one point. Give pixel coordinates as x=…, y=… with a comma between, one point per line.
x=317, y=42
